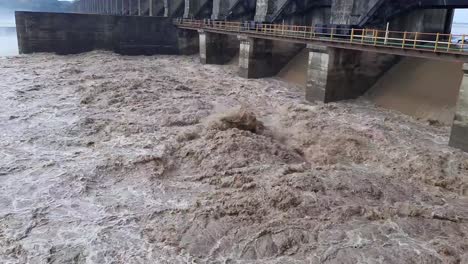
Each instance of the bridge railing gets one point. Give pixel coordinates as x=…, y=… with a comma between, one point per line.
x=428, y=42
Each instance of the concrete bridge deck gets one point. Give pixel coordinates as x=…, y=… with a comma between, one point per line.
x=414, y=44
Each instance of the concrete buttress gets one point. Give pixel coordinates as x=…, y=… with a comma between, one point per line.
x=255, y=57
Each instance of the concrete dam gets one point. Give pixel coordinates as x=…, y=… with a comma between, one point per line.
x=236, y=131
x=350, y=43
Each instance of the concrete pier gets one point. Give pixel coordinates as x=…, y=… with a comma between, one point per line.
x=255, y=57
x=217, y=48
x=459, y=134
x=292, y=12
x=337, y=74
x=134, y=7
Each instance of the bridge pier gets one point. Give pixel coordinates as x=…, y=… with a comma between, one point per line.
x=221, y=8
x=260, y=58
x=337, y=74
x=459, y=134
x=255, y=57
x=217, y=48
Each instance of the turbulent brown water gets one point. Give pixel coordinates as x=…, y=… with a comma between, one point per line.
x=113, y=159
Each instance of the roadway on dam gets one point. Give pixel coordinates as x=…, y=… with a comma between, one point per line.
x=402, y=43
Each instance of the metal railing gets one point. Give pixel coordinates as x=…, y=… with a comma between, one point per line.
x=427, y=42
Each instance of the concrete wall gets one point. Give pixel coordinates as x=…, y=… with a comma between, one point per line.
x=221, y=8
x=133, y=5
x=174, y=8
x=423, y=20
x=350, y=11
x=75, y=33
x=217, y=48
x=319, y=16
x=145, y=5
x=198, y=9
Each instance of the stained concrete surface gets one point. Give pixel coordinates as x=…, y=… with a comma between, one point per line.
x=75, y=33
x=114, y=159
x=425, y=89
x=296, y=69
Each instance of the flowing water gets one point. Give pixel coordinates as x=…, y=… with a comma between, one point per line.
x=159, y=159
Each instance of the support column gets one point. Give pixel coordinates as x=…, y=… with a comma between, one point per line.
x=255, y=57
x=157, y=7
x=217, y=48
x=459, y=134
x=338, y=74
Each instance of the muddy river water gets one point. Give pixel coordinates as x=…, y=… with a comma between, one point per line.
x=113, y=159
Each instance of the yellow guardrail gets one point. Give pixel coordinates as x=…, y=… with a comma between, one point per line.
x=428, y=42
